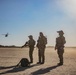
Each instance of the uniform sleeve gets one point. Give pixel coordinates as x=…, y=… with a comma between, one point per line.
x=26, y=44
x=64, y=41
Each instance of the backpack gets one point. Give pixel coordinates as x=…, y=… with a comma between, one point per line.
x=45, y=40
x=24, y=62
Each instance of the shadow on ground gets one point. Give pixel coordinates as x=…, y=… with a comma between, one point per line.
x=14, y=69
x=44, y=71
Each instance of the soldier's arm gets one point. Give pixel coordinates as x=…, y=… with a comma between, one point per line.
x=64, y=41
x=37, y=43
x=26, y=44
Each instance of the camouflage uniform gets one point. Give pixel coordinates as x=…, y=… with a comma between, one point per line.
x=31, y=44
x=60, y=41
x=41, y=44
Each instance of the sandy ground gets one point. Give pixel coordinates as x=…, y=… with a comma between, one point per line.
x=9, y=57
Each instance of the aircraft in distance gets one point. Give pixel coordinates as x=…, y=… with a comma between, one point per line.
x=6, y=35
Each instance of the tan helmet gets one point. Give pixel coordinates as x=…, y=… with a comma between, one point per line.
x=30, y=36
x=61, y=32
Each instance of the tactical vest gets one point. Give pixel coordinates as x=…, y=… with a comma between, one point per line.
x=60, y=41
x=31, y=42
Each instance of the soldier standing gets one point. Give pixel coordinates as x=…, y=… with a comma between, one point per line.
x=60, y=41
x=41, y=44
x=30, y=43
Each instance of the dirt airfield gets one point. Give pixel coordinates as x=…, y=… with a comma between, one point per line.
x=9, y=57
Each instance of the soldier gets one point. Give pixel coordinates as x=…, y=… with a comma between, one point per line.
x=30, y=43
x=41, y=44
x=60, y=41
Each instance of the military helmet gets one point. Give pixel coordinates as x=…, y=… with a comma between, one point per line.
x=41, y=33
x=61, y=32
x=30, y=36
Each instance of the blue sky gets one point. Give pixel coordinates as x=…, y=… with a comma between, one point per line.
x=21, y=18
